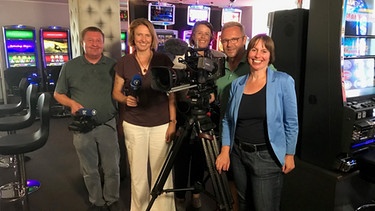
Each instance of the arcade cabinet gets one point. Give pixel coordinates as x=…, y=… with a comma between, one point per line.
x=162, y=14
x=56, y=50
x=338, y=109
x=20, y=56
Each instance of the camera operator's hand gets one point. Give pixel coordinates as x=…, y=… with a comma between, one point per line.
x=131, y=101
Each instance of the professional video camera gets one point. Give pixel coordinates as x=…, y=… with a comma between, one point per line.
x=83, y=121
x=199, y=75
x=199, y=71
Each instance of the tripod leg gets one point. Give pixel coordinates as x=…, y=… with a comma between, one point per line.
x=168, y=164
x=219, y=181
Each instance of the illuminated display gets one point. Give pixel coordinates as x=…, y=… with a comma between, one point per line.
x=19, y=34
x=123, y=36
x=161, y=14
x=231, y=14
x=198, y=13
x=21, y=60
x=187, y=35
x=358, y=76
x=358, y=17
x=20, y=46
x=55, y=46
x=164, y=37
x=55, y=35
x=56, y=59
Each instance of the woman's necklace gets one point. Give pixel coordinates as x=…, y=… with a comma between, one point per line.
x=144, y=68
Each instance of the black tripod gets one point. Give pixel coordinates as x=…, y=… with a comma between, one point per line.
x=204, y=127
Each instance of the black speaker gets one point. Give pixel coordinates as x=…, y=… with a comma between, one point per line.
x=288, y=29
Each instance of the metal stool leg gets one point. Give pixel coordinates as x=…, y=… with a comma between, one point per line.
x=18, y=189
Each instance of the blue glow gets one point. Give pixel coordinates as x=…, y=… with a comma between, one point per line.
x=365, y=143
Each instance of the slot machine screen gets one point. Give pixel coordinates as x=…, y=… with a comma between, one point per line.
x=164, y=37
x=124, y=48
x=20, y=48
x=161, y=14
x=231, y=14
x=358, y=17
x=187, y=35
x=198, y=13
x=358, y=76
x=55, y=47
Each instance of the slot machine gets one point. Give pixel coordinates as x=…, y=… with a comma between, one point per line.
x=21, y=56
x=56, y=51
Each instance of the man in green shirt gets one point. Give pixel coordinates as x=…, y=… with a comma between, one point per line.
x=233, y=39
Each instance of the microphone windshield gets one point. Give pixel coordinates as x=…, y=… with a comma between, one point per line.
x=176, y=46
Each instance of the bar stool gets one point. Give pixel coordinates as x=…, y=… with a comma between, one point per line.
x=12, y=109
x=21, y=143
x=9, y=109
x=11, y=123
x=17, y=122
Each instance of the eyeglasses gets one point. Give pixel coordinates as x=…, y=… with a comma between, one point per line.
x=232, y=41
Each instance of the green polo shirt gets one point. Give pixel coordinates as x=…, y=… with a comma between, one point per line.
x=224, y=82
x=90, y=85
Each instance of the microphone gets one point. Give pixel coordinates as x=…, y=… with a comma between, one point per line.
x=86, y=112
x=135, y=85
x=176, y=46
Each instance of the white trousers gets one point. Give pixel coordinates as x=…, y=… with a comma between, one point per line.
x=147, y=151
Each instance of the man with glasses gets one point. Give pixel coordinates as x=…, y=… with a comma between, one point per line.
x=233, y=39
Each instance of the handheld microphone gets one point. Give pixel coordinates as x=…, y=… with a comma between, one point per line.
x=86, y=112
x=135, y=85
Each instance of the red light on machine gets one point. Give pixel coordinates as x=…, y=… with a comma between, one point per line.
x=55, y=35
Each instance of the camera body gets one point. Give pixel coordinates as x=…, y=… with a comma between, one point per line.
x=198, y=77
x=201, y=71
x=83, y=121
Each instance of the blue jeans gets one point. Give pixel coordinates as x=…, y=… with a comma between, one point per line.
x=100, y=146
x=258, y=178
